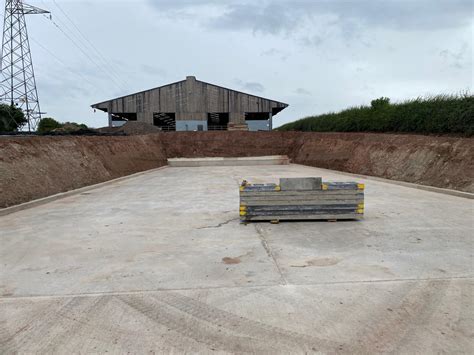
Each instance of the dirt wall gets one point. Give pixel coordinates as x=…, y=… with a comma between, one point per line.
x=34, y=167
x=226, y=144
x=446, y=162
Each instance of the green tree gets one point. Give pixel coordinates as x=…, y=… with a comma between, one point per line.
x=381, y=102
x=47, y=124
x=12, y=118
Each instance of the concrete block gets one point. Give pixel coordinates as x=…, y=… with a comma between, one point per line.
x=240, y=161
x=292, y=184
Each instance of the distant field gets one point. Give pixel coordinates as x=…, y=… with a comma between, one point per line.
x=443, y=114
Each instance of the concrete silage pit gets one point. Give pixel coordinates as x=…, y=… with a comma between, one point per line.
x=160, y=262
x=49, y=165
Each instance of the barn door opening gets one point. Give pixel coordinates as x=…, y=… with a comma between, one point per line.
x=217, y=121
x=166, y=121
x=258, y=121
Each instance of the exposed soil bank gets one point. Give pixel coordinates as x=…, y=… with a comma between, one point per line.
x=35, y=167
x=446, y=162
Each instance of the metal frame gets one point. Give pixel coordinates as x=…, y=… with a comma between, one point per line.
x=18, y=83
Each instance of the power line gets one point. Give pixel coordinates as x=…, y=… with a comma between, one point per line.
x=84, y=52
x=73, y=41
x=61, y=62
x=109, y=65
x=85, y=46
x=55, y=57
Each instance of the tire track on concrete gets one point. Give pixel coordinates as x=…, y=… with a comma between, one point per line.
x=284, y=339
x=80, y=324
x=40, y=328
x=458, y=300
x=465, y=317
x=221, y=330
x=64, y=322
x=11, y=341
x=70, y=325
x=397, y=323
x=225, y=298
x=207, y=335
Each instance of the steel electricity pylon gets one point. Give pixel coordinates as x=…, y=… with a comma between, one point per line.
x=18, y=84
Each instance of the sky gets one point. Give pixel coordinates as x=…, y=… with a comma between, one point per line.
x=316, y=55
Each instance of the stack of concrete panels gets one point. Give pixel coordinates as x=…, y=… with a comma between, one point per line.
x=301, y=199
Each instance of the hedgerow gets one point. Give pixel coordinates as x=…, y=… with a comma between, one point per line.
x=442, y=114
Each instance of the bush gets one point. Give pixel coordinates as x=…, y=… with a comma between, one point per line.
x=47, y=124
x=73, y=126
x=50, y=125
x=12, y=118
x=453, y=114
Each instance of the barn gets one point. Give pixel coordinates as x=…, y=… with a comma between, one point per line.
x=193, y=105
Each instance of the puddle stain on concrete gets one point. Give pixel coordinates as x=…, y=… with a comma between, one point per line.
x=320, y=262
x=236, y=260
x=229, y=261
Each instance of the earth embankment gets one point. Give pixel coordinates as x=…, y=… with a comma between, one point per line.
x=35, y=167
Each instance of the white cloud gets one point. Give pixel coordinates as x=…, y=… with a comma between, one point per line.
x=251, y=87
x=302, y=91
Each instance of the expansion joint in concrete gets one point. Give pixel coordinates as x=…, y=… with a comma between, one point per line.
x=259, y=286
x=268, y=250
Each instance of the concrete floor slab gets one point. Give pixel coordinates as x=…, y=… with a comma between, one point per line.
x=160, y=262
